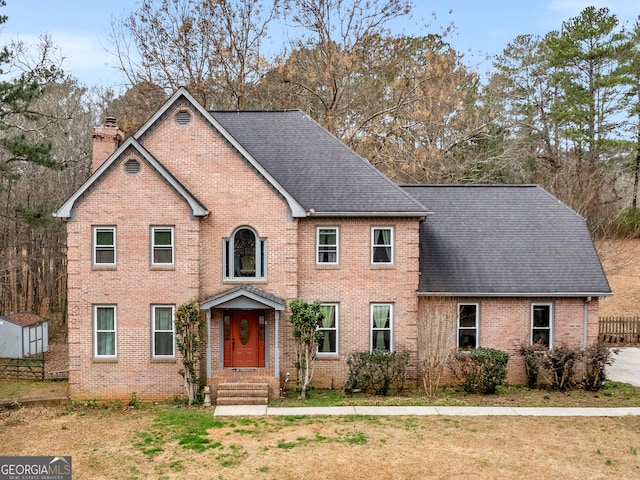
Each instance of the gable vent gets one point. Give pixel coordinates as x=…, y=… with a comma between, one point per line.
x=132, y=166
x=183, y=117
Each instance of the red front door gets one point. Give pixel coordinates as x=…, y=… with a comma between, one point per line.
x=242, y=340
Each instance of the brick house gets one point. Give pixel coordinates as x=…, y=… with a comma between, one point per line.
x=244, y=211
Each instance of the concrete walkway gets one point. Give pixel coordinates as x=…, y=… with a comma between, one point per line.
x=262, y=410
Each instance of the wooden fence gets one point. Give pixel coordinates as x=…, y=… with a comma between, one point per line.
x=620, y=330
x=29, y=368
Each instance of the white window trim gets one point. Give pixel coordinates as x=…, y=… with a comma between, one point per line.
x=371, y=324
x=173, y=246
x=95, y=332
x=477, y=327
x=392, y=241
x=96, y=229
x=337, y=330
x=551, y=315
x=228, y=260
x=153, y=330
x=337, y=230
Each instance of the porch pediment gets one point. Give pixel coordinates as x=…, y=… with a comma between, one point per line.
x=244, y=297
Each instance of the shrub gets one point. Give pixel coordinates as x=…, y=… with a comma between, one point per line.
x=480, y=370
x=533, y=355
x=559, y=367
x=596, y=357
x=376, y=371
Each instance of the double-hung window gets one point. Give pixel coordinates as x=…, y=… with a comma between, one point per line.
x=328, y=329
x=381, y=327
x=468, y=325
x=327, y=245
x=382, y=245
x=104, y=246
x=105, y=336
x=542, y=324
x=162, y=245
x=245, y=255
x=163, y=331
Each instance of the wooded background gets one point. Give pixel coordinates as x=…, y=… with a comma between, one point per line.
x=561, y=111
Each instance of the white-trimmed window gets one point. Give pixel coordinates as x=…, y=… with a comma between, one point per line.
x=162, y=245
x=327, y=245
x=382, y=245
x=104, y=246
x=105, y=331
x=163, y=331
x=245, y=255
x=542, y=324
x=468, y=325
x=381, y=327
x=328, y=344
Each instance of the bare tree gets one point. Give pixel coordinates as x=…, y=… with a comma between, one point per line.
x=436, y=341
x=211, y=47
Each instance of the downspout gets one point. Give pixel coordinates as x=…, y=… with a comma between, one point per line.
x=585, y=321
x=208, y=344
x=276, y=350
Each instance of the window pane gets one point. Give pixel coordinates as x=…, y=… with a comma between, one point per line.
x=541, y=316
x=105, y=256
x=467, y=316
x=106, y=343
x=104, y=237
x=382, y=340
x=327, y=237
x=105, y=319
x=381, y=315
x=467, y=338
x=327, y=343
x=245, y=253
x=162, y=237
x=541, y=336
x=164, y=318
x=164, y=343
x=162, y=255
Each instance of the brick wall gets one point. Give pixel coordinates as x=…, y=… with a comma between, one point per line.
x=131, y=203
x=355, y=284
x=506, y=322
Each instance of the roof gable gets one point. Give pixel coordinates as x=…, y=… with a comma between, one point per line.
x=67, y=210
x=244, y=296
x=183, y=95
x=504, y=240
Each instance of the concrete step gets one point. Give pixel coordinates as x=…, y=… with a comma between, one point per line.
x=242, y=401
x=236, y=393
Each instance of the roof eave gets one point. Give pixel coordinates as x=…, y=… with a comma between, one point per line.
x=516, y=294
x=313, y=213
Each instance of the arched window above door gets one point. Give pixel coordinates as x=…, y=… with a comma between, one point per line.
x=244, y=255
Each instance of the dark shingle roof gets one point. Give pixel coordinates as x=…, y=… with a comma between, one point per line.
x=504, y=240
x=312, y=165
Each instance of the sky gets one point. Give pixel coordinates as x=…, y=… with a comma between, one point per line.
x=482, y=27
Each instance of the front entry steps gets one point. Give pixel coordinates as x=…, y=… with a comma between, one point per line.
x=242, y=393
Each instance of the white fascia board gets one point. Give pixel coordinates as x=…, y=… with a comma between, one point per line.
x=510, y=295
x=296, y=209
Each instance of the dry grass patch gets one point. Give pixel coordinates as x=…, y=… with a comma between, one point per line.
x=189, y=443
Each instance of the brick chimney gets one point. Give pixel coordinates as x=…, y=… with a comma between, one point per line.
x=106, y=140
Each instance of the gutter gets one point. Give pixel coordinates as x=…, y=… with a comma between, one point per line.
x=312, y=213
x=517, y=294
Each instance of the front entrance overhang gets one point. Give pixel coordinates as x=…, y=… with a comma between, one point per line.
x=244, y=297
